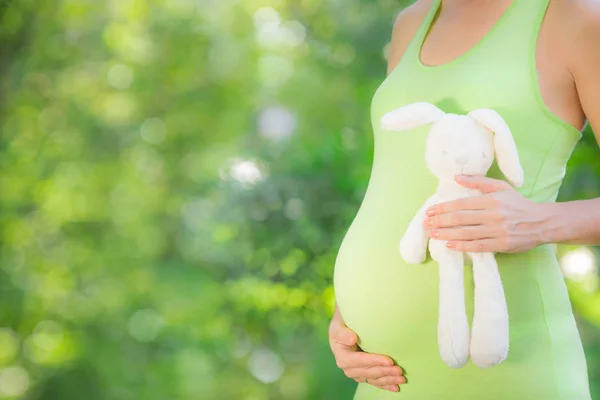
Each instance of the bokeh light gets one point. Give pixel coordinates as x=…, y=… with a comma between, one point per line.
x=579, y=263
x=14, y=381
x=265, y=365
x=276, y=123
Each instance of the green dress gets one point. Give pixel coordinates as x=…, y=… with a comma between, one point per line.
x=393, y=306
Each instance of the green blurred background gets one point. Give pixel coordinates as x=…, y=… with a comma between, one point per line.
x=177, y=176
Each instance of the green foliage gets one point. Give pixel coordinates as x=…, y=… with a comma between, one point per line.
x=176, y=179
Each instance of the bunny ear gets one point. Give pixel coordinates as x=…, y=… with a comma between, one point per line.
x=411, y=116
x=506, y=149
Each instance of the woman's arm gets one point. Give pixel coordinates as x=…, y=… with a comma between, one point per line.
x=572, y=222
x=502, y=219
x=578, y=222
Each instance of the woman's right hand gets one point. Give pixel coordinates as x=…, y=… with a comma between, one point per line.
x=358, y=365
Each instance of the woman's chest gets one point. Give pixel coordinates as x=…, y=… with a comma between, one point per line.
x=455, y=35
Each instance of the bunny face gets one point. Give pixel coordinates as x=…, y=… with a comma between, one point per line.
x=457, y=144
x=460, y=144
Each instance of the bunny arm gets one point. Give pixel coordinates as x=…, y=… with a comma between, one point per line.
x=489, y=336
x=413, y=245
x=411, y=116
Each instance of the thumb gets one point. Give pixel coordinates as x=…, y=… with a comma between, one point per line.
x=482, y=183
x=347, y=336
x=342, y=334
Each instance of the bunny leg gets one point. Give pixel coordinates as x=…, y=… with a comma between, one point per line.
x=453, y=326
x=489, y=340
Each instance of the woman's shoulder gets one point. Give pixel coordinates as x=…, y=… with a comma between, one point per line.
x=575, y=25
x=405, y=26
x=578, y=22
x=575, y=18
x=412, y=14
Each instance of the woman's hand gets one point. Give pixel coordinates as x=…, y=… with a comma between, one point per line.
x=358, y=365
x=499, y=220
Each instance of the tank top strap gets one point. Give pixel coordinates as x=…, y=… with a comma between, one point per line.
x=514, y=33
x=413, y=51
x=517, y=30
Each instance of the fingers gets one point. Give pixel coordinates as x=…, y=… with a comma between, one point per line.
x=387, y=378
x=347, y=358
x=480, y=202
x=475, y=246
x=460, y=218
x=388, y=382
x=343, y=345
x=358, y=365
x=482, y=183
x=374, y=373
x=475, y=232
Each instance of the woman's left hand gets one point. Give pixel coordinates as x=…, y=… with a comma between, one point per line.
x=498, y=220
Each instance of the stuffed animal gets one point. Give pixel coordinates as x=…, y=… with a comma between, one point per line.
x=461, y=144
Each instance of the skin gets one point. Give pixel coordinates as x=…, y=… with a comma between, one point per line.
x=501, y=219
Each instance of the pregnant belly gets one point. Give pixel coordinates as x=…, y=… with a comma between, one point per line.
x=389, y=304
x=393, y=307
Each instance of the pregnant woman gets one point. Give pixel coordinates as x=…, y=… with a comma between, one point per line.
x=536, y=62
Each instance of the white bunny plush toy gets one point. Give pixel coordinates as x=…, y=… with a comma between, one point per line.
x=455, y=145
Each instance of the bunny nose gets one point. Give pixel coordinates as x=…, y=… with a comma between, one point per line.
x=462, y=160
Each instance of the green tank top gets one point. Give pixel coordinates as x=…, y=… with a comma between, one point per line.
x=499, y=72
x=392, y=306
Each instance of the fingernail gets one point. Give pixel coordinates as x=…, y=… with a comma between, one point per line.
x=428, y=222
x=430, y=212
x=435, y=234
x=451, y=245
